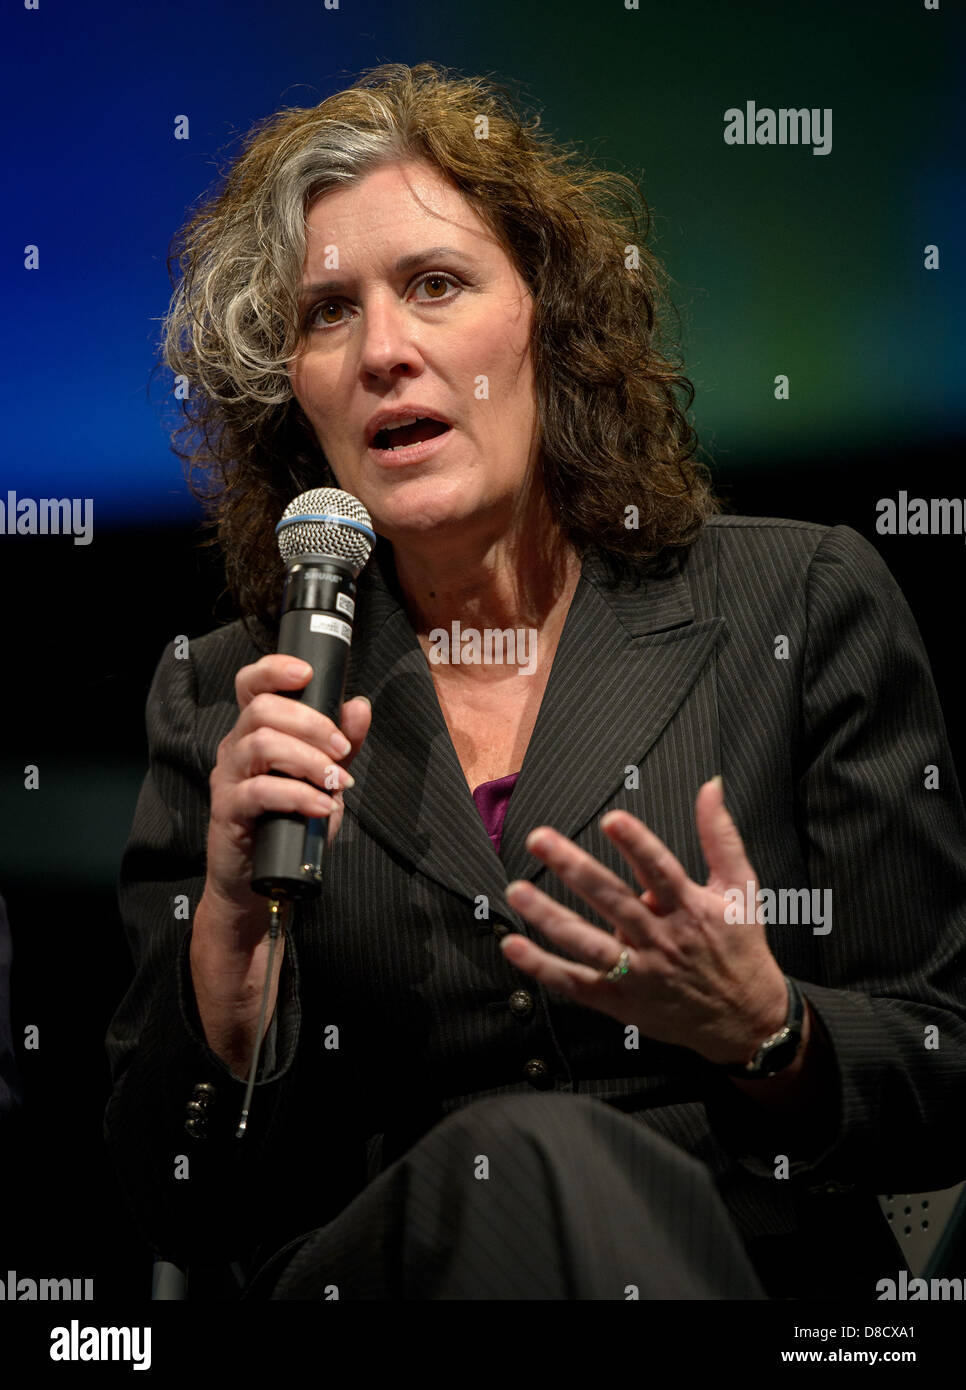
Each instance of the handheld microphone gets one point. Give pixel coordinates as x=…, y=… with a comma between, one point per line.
x=325, y=537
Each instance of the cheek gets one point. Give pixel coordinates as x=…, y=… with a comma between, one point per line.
x=511, y=365
x=301, y=397
x=309, y=384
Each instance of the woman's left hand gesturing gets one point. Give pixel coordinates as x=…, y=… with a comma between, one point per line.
x=692, y=978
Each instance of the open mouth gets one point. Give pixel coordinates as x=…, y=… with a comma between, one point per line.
x=414, y=433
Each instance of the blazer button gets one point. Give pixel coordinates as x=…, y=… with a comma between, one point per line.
x=538, y=1074
x=197, y=1122
x=500, y=929
x=520, y=1003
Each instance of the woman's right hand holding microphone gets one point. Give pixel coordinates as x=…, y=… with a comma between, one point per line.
x=229, y=939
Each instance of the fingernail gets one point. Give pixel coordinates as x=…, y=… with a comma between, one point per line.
x=337, y=779
x=340, y=744
x=298, y=669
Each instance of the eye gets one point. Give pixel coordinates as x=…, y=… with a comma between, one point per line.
x=320, y=309
x=433, y=279
x=310, y=321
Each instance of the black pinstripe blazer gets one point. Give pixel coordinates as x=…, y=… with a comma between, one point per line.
x=394, y=1002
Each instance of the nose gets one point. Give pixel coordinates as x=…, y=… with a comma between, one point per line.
x=388, y=337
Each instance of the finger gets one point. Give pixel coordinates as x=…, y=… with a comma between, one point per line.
x=723, y=847
x=600, y=889
x=588, y=944
x=268, y=710
x=654, y=866
x=355, y=722
x=256, y=795
x=271, y=673
x=578, y=982
x=564, y=976
x=270, y=750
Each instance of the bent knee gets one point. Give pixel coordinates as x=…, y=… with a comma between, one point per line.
x=568, y=1124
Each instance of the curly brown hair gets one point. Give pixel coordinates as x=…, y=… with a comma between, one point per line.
x=613, y=432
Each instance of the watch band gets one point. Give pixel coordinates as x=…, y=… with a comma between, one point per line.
x=778, y=1050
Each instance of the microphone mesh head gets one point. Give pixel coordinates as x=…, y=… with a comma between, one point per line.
x=326, y=521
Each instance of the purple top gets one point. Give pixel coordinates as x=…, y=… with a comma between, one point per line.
x=491, y=801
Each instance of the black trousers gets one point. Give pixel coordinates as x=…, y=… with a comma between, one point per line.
x=532, y=1196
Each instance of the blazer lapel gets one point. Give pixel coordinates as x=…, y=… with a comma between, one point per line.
x=626, y=660
x=410, y=792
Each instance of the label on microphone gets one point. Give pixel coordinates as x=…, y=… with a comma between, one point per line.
x=335, y=627
x=345, y=605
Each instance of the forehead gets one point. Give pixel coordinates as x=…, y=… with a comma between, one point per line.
x=392, y=204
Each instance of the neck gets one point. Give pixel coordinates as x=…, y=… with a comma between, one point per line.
x=514, y=578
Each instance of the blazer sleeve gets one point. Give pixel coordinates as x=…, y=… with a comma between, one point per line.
x=883, y=824
x=194, y=1198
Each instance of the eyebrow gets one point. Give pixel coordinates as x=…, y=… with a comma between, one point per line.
x=409, y=262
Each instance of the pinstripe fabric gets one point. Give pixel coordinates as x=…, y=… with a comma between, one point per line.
x=823, y=755
x=528, y=1197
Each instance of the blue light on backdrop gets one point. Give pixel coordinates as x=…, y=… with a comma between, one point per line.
x=782, y=261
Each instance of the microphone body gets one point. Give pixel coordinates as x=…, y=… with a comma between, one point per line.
x=325, y=537
x=316, y=626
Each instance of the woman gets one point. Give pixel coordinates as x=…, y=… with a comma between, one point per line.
x=427, y=1120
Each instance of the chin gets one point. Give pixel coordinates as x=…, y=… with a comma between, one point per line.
x=400, y=528
x=412, y=509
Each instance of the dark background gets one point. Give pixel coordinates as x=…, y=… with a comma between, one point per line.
x=782, y=261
